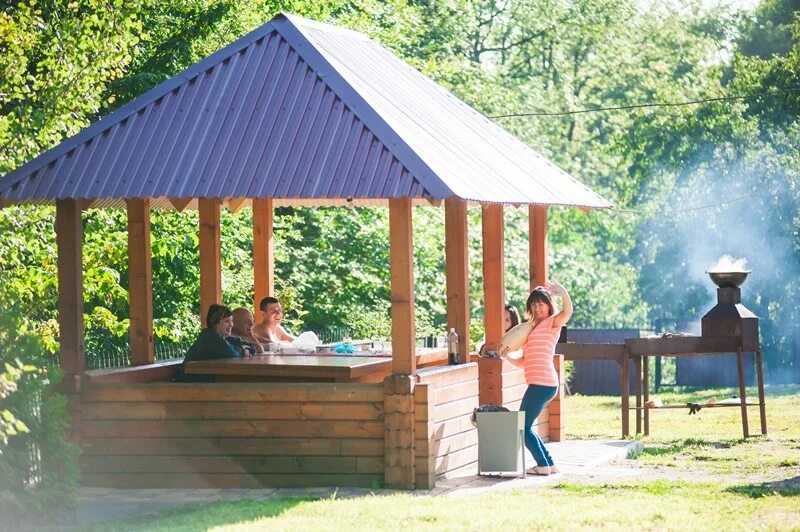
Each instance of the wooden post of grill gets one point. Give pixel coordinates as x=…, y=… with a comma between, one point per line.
x=140, y=282
x=457, y=270
x=210, y=257
x=537, y=244
x=762, y=405
x=263, y=252
x=646, y=393
x=71, y=356
x=490, y=371
x=638, y=364
x=742, y=390
x=399, y=449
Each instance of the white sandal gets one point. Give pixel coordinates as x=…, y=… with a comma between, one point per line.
x=541, y=471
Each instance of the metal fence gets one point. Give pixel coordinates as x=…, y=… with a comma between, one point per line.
x=117, y=357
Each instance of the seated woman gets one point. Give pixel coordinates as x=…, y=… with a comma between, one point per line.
x=511, y=319
x=271, y=330
x=214, y=341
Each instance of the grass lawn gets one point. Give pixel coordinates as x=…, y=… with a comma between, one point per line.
x=699, y=474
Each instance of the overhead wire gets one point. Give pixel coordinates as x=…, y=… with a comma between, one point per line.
x=650, y=104
x=697, y=207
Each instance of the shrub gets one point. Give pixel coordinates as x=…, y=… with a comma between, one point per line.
x=38, y=467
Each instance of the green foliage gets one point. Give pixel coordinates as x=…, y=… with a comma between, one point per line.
x=56, y=60
x=525, y=55
x=9, y=424
x=38, y=466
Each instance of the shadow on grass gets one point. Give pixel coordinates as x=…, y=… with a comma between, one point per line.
x=203, y=516
x=789, y=487
x=686, y=445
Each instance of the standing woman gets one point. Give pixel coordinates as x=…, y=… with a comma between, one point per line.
x=537, y=361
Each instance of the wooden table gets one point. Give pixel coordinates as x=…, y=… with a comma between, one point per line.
x=597, y=351
x=319, y=367
x=640, y=349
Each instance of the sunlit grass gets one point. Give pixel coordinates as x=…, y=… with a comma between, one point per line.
x=728, y=484
x=658, y=505
x=710, y=440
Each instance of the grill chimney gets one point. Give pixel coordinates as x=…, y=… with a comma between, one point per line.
x=729, y=317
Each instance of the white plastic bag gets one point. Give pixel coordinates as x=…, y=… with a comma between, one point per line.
x=306, y=341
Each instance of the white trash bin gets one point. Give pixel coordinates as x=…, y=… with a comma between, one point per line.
x=501, y=443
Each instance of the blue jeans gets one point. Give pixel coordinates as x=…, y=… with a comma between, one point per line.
x=533, y=402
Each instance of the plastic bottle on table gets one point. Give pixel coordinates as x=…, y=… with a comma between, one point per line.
x=453, y=347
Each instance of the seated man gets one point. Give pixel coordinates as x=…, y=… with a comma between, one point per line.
x=213, y=342
x=271, y=330
x=243, y=323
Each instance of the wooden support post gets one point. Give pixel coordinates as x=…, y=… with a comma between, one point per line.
x=490, y=370
x=210, y=256
x=140, y=282
x=625, y=392
x=556, y=406
x=762, y=405
x=742, y=391
x=457, y=270
x=537, y=244
x=401, y=259
x=399, y=432
x=263, y=252
x=71, y=356
x=398, y=392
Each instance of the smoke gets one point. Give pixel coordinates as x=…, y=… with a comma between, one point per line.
x=715, y=232
x=726, y=264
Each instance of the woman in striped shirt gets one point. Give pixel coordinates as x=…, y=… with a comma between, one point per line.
x=537, y=361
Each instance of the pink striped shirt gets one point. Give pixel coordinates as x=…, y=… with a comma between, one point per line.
x=538, y=354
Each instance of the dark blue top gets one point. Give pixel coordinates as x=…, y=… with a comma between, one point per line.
x=210, y=345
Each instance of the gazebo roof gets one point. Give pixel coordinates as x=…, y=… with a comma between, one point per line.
x=304, y=113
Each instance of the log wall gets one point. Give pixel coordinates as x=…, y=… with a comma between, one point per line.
x=234, y=435
x=446, y=440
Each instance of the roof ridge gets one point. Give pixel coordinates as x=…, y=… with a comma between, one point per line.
x=353, y=100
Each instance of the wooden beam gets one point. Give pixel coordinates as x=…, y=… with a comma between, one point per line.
x=457, y=269
x=180, y=204
x=71, y=356
x=556, y=407
x=401, y=266
x=86, y=204
x=494, y=300
x=537, y=244
x=234, y=204
x=263, y=251
x=140, y=282
x=210, y=256
x=69, y=242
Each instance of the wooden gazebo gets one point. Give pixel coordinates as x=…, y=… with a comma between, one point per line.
x=294, y=113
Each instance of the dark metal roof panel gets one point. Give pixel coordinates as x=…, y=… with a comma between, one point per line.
x=296, y=111
x=476, y=159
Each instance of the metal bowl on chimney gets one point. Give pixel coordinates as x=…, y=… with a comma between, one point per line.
x=728, y=279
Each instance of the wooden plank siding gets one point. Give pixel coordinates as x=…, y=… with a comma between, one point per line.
x=246, y=435
x=446, y=440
